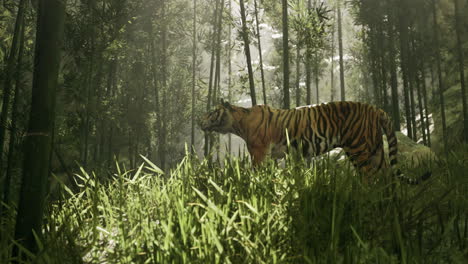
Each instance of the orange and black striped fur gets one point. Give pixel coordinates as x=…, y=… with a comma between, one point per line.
x=356, y=127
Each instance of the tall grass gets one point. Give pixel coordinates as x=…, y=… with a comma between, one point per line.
x=203, y=212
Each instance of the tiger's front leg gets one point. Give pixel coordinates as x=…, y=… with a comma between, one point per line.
x=257, y=153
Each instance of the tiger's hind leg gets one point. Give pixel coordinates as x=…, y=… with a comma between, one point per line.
x=378, y=162
x=360, y=159
x=366, y=160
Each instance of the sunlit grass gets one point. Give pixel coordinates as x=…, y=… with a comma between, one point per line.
x=204, y=212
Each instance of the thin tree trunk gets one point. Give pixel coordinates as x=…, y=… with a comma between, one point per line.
x=156, y=87
x=340, y=47
x=164, y=66
x=38, y=142
x=317, y=79
x=383, y=67
x=461, y=69
x=131, y=155
x=298, y=67
x=9, y=71
x=229, y=71
x=417, y=58
x=439, y=74
x=375, y=68
x=308, y=77
x=393, y=75
x=245, y=37
x=110, y=146
x=433, y=85
x=404, y=70
x=426, y=108
x=413, y=103
x=332, y=61
x=194, y=61
x=412, y=79
x=421, y=111
x=206, y=147
x=14, y=117
x=217, y=87
x=218, y=53
x=260, y=53
x=286, y=99
x=97, y=105
x=89, y=83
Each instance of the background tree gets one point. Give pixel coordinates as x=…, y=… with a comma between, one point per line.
x=7, y=84
x=439, y=74
x=461, y=66
x=38, y=144
x=262, y=74
x=194, y=62
x=245, y=37
x=14, y=131
x=286, y=99
x=340, y=50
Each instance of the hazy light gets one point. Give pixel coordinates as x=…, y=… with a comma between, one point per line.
x=276, y=35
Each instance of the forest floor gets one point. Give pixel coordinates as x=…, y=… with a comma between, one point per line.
x=301, y=213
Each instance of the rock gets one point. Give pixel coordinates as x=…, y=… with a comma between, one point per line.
x=412, y=153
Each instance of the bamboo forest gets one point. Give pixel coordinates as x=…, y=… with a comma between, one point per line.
x=233, y=131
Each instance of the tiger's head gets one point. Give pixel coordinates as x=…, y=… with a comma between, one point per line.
x=219, y=120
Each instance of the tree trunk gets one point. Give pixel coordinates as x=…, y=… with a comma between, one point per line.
x=217, y=87
x=194, y=61
x=298, y=67
x=332, y=64
x=412, y=77
x=426, y=108
x=164, y=66
x=206, y=147
x=286, y=99
x=308, y=76
x=14, y=117
x=421, y=111
x=9, y=71
x=245, y=37
x=439, y=74
x=89, y=82
x=375, y=69
x=412, y=80
x=340, y=47
x=383, y=66
x=156, y=87
x=219, y=25
x=229, y=72
x=393, y=75
x=461, y=69
x=260, y=53
x=38, y=142
x=416, y=64
x=404, y=70
x=317, y=79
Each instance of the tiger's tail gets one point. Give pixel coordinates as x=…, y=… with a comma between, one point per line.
x=387, y=126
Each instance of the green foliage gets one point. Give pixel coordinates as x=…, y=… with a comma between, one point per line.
x=309, y=24
x=230, y=213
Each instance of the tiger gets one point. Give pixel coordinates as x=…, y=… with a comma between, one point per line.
x=313, y=130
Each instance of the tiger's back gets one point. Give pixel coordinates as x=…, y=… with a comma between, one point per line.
x=355, y=127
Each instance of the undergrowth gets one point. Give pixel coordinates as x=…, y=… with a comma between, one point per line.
x=302, y=212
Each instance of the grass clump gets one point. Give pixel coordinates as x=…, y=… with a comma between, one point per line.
x=202, y=212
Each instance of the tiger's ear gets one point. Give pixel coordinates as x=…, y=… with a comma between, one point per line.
x=226, y=104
